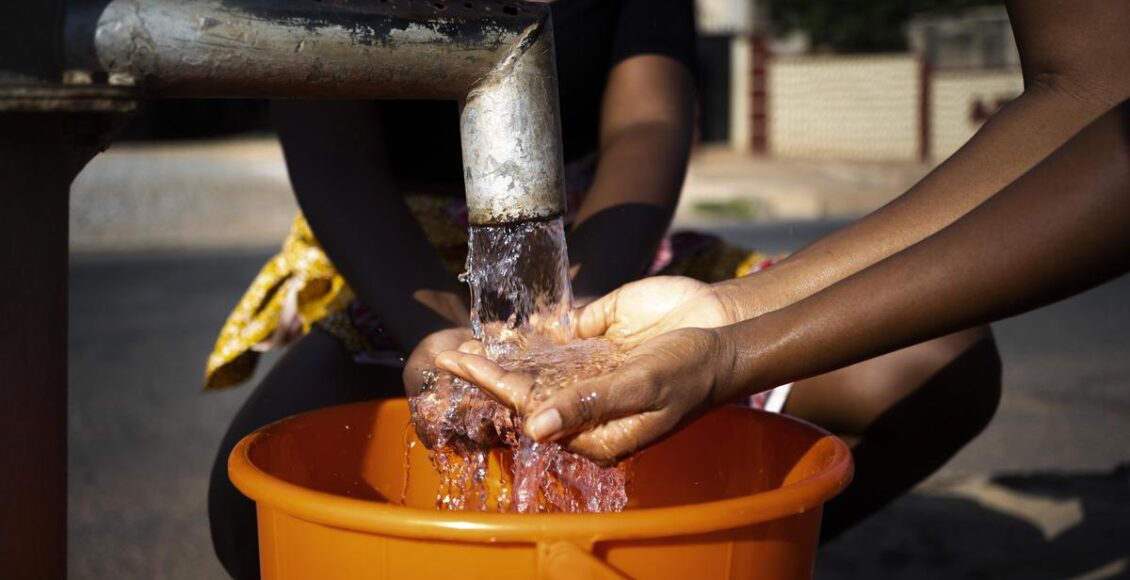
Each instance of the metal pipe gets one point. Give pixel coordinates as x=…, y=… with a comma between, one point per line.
x=511, y=132
x=494, y=56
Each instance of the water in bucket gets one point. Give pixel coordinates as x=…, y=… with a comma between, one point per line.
x=521, y=303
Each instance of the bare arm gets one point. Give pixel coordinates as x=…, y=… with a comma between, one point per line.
x=335, y=156
x=1075, y=59
x=645, y=138
x=1060, y=229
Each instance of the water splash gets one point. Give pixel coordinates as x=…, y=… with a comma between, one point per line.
x=520, y=290
x=521, y=304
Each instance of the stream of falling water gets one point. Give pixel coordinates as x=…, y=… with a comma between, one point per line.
x=521, y=302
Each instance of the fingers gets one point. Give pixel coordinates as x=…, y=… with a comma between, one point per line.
x=580, y=302
x=509, y=388
x=473, y=347
x=594, y=319
x=589, y=403
x=422, y=357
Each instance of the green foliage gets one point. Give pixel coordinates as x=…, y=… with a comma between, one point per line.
x=740, y=209
x=857, y=25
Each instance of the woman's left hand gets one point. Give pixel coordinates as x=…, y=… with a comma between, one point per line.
x=663, y=382
x=423, y=358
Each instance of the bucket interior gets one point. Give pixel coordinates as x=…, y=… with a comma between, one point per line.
x=369, y=451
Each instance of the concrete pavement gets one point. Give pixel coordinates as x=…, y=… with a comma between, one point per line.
x=166, y=239
x=235, y=193
x=1044, y=493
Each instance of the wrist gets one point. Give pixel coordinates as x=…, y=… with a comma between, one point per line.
x=739, y=299
x=756, y=294
x=725, y=366
x=745, y=355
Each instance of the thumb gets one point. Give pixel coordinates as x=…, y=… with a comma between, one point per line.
x=594, y=318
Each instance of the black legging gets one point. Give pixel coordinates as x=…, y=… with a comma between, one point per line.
x=917, y=436
x=316, y=372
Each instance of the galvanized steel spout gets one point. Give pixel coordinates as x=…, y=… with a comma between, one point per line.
x=494, y=56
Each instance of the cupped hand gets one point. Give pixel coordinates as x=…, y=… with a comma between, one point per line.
x=639, y=311
x=664, y=381
x=424, y=357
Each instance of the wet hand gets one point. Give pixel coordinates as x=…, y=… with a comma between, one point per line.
x=423, y=358
x=653, y=306
x=664, y=381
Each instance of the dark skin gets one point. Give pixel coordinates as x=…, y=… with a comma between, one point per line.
x=343, y=186
x=339, y=179
x=991, y=263
x=1074, y=63
x=645, y=137
x=336, y=160
x=1062, y=228
x=335, y=152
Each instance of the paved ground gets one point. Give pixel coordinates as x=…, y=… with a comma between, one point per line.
x=1044, y=493
x=207, y=194
x=726, y=186
x=235, y=193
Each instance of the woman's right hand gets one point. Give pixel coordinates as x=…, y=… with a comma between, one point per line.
x=670, y=374
x=663, y=382
x=423, y=357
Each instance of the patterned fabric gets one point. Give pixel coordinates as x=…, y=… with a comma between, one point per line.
x=296, y=288
x=299, y=288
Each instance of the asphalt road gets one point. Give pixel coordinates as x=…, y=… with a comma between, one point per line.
x=1039, y=495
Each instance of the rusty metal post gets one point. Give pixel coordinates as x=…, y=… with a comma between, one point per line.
x=47, y=134
x=33, y=351
x=33, y=377
x=48, y=130
x=496, y=56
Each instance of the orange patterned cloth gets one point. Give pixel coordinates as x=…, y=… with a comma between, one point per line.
x=300, y=287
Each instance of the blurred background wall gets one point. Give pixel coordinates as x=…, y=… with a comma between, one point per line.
x=849, y=80
x=879, y=80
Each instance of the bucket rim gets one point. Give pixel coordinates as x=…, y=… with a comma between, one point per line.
x=489, y=527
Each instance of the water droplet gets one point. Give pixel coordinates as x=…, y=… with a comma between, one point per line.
x=521, y=299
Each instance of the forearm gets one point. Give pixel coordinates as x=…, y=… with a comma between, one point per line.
x=1012, y=142
x=1061, y=228
x=646, y=123
x=627, y=212
x=334, y=156
x=386, y=259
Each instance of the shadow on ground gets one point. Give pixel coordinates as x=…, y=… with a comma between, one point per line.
x=143, y=435
x=966, y=532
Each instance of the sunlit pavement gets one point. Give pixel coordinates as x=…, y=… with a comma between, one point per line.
x=1043, y=493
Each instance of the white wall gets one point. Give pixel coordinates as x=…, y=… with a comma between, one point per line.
x=953, y=99
x=741, y=97
x=725, y=16
x=845, y=107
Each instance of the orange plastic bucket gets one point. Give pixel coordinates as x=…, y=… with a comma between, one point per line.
x=737, y=494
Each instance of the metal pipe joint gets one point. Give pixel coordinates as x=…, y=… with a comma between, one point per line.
x=496, y=57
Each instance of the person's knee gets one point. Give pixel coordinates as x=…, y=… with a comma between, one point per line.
x=979, y=388
x=232, y=522
x=317, y=359
x=950, y=386
x=964, y=393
